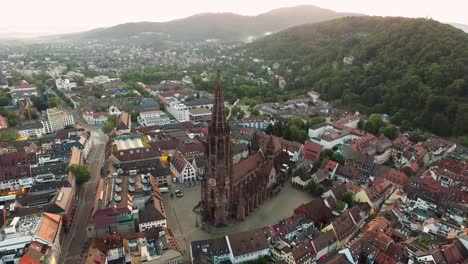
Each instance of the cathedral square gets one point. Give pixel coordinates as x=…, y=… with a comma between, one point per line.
x=185, y=226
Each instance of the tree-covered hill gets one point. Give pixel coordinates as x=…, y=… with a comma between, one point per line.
x=415, y=70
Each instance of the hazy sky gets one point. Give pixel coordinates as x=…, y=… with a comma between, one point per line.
x=57, y=16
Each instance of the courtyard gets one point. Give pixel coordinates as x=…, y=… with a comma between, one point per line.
x=186, y=224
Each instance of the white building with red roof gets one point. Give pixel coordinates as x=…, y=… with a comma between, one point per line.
x=93, y=118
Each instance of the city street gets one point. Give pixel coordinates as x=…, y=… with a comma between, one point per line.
x=75, y=240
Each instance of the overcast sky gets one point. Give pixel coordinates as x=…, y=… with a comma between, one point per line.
x=58, y=16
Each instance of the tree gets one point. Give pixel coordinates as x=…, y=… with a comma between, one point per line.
x=463, y=140
x=311, y=186
x=29, y=113
x=226, y=111
x=441, y=125
x=4, y=101
x=134, y=115
x=8, y=135
x=461, y=120
x=261, y=260
x=417, y=137
x=82, y=173
x=240, y=114
x=374, y=124
x=348, y=198
x=235, y=110
x=12, y=119
x=337, y=157
x=319, y=190
x=315, y=120
x=390, y=131
x=254, y=112
x=326, y=153
x=110, y=124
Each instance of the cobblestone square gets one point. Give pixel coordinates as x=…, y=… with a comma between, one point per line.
x=183, y=221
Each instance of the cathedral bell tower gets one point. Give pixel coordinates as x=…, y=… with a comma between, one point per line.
x=216, y=185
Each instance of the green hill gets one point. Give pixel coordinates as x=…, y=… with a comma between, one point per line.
x=415, y=70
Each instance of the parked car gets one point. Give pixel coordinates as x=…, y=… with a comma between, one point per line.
x=179, y=193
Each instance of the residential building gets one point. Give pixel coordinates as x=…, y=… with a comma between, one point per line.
x=126, y=204
x=113, y=110
x=156, y=245
x=153, y=118
x=37, y=252
x=63, y=204
x=15, y=171
x=247, y=246
x=199, y=103
x=22, y=90
x=178, y=110
x=199, y=114
x=93, y=118
x=259, y=123
x=215, y=250
x=152, y=216
x=324, y=244
x=311, y=150
x=19, y=232
x=124, y=123
x=32, y=130
x=64, y=84
x=57, y=120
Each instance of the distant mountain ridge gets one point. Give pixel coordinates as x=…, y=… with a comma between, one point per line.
x=222, y=26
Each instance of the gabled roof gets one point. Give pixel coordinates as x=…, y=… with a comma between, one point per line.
x=343, y=226
x=324, y=240
x=124, y=121
x=179, y=162
x=391, y=174
x=311, y=150
x=349, y=172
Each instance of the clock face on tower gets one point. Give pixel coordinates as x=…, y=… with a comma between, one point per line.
x=212, y=182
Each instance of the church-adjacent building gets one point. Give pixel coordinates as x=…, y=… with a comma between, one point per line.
x=232, y=192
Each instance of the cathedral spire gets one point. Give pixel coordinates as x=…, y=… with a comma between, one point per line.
x=216, y=189
x=218, y=118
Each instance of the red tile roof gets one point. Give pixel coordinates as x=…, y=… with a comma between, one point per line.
x=311, y=150
x=247, y=166
x=343, y=226
x=317, y=211
x=391, y=174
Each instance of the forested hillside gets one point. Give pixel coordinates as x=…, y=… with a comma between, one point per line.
x=415, y=70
